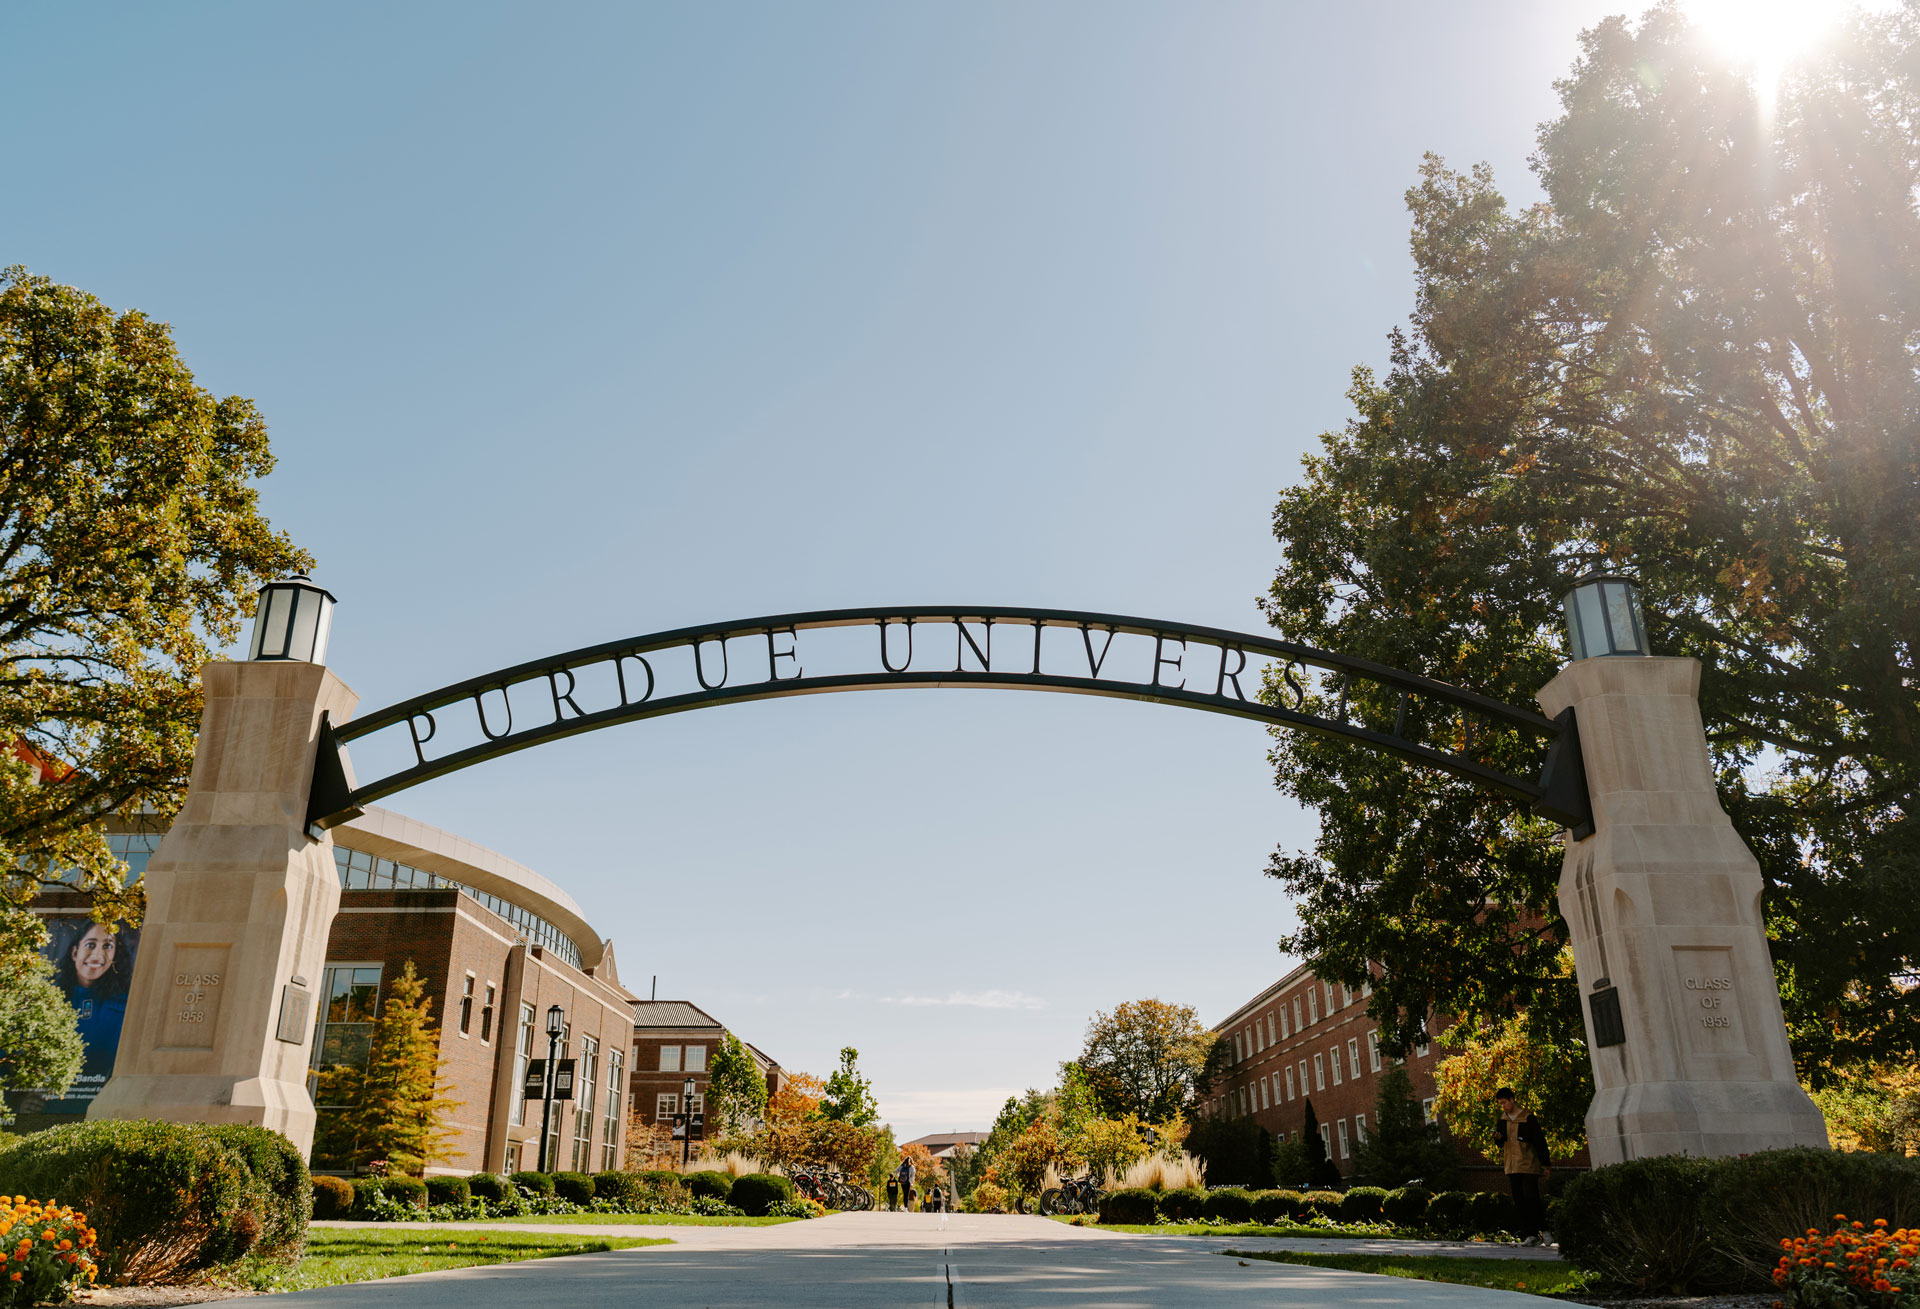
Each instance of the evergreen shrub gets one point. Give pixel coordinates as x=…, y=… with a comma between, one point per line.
x=538, y=1183
x=1447, y=1213
x=1275, y=1207
x=755, y=1193
x=621, y=1188
x=407, y=1190
x=1182, y=1205
x=1406, y=1207
x=1362, y=1204
x=1134, y=1205
x=710, y=1185
x=448, y=1190
x=332, y=1198
x=1322, y=1204
x=169, y=1200
x=1231, y=1205
x=575, y=1188
x=1489, y=1212
x=490, y=1187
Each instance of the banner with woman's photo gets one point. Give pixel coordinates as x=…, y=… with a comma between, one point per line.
x=92, y=965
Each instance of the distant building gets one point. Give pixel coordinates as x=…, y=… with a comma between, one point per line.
x=672, y=1041
x=1306, y=1037
x=941, y=1145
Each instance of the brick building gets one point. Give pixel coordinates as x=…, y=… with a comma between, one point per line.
x=672, y=1041
x=1304, y=1037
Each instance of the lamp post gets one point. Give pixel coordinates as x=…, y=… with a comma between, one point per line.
x=1604, y=617
x=686, y=1114
x=556, y=1025
x=292, y=621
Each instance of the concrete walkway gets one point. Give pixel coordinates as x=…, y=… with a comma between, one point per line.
x=917, y=1259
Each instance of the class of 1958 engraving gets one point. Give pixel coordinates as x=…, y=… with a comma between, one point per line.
x=193, y=1004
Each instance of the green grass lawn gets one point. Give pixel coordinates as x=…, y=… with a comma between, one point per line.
x=1224, y=1229
x=363, y=1254
x=642, y=1220
x=1534, y=1276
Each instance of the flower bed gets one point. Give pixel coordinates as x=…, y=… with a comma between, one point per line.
x=1855, y=1266
x=47, y=1250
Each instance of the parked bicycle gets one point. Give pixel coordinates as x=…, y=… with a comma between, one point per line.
x=832, y=1189
x=1074, y=1195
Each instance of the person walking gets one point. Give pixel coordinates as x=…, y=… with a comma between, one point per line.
x=1523, y=1153
x=893, y=1193
x=905, y=1176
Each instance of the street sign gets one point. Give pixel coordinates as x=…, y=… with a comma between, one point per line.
x=563, y=1080
x=535, y=1084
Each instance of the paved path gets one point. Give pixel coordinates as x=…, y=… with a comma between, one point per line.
x=984, y=1261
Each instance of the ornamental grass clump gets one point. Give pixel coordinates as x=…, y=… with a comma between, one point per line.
x=47, y=1249
x=1871, y=1267
x=1163, y=1171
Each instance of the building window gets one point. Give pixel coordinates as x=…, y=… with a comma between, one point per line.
x=522, y=1055
x=669, y=1058
x=1271, y=1029
x=466, y=1005
x=1345, y=1151
x=513, y=1157
x=1335, y=1053
x=1285, y=1031
x=1303, y=1077
x=1264, y=1103
x=1366, y=983
x=696, y=1058
x=1420, y=1049
x=1353, y=1054
x=1329, y=986
x=1360, y=1129
x=1313, y=1005
x=1346, y=993
x=486, y=1016
x=665, y=1106
x=610, y=1129
x=1276, y=1090
x=1290, y=1084
x=1326, y=1138
x=1373, y=1050
x=585, y=1081
x=1426, y=1110
x=1319, y=1073
x=1297, y=1024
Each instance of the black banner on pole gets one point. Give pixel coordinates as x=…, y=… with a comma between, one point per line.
x=535, y=1084
x=563, y=1080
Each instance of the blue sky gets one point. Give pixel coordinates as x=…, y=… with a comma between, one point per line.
x=572, y=323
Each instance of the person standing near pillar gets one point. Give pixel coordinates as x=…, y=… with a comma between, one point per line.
x=906, y=1183
x=1523, y=1153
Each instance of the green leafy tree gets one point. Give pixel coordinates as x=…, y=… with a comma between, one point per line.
x=40, y=1046
x=130, y=547
x=849, y=1095
x=1693, y=360
x=1321, y=1171
x=401, y=1094
x=1552, y=1077
x=1401, y=1145
x=736, y=1088
x=1147, y=1057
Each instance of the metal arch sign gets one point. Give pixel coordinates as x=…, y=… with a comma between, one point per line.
x=1206, y=668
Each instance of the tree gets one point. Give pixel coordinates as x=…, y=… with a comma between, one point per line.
x=402, y=1095
x=1874, y=1108
x=736, y=1088
x=1238, y=1151
x=130, y=548
x=1692, y=361
x=798, y=1100
x=849, y=1096
x=1147, y=1057
x=40, y=1046
x=1552, y=1077
x=1321, y=1171
x=1402, y=1146
x=1022, y=1166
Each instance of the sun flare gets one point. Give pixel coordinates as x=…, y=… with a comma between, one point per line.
x=1768, y=35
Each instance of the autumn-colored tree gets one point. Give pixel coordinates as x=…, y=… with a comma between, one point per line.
x=1145, y=1058
x=1023, y=1164
x=1110, y=1144
x=1694, y=360
x=402, y=1095
x=927, y=1170
x=1552, y=1077
x=130, y=548
x=649, y=1146
x=736, y=1088
x=798, y=1100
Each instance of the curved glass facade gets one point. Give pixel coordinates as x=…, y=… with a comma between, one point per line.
x=360, y=871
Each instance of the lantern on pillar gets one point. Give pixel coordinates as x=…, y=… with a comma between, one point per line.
x=1604, y=617
x=292, y=621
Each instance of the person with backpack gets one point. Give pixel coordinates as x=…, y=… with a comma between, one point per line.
x=905, y=1176
x=1523, y=1154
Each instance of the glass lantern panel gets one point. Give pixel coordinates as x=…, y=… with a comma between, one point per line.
x=259, y=626
x=1593, y=623
x=273, y=624
x=323, y=630
x=1576, y=638
x=306, y=619
x=1620, y=619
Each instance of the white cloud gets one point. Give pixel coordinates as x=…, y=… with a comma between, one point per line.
x=971, y=1000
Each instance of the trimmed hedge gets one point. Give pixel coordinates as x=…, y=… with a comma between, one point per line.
x=661, y=1176
x=1447, y=1213
x=710, y=1185
x=1322, y=1204
x=1134, y=1205
x=170, y=1200
x=621, y=1188
x=407, y=1190
x=756, y=1193
x=332, y=1198
x=1406, y=1207
x=1274, y=1207
x=1231, y=1205
x=1362, y=1204
x=538, y=1183
x=576, y=1188
x=490, y=1187
x=1182, y=1205
x=448, y=1190
x=1492, y=1211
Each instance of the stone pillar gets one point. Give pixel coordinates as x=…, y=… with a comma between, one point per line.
x=1664, y=904
x=239, y=902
